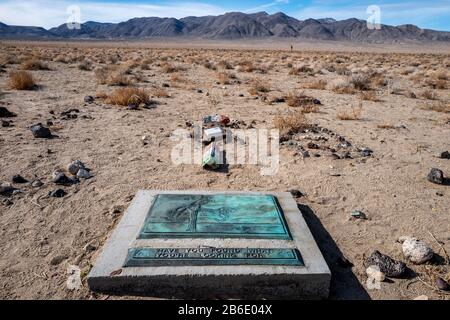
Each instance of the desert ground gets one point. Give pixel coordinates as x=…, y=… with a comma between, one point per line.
x=391, y=111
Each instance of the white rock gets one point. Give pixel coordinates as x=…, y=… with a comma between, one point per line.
x=374, y=272
x=83, y=173
x=415, y=250
x=422, y=297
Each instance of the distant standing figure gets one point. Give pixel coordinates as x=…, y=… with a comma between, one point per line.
x=292, y=47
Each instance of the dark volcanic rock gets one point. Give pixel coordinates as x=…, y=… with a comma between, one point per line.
x=296, y=193
x=445, y=155
x=6, y=190
x=19, y=179
x=390, y=267
x=436, y=176
x=441, y=284
x=5, y=113
x=89, y=99
x=61, y=179
x=39, y=131
x=59, y=193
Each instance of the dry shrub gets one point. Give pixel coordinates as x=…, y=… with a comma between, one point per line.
x=354, y=114
x=342, y=86
x=317, y=85
x=112, y=76
x=101, y=95
x=440, y=106
x=291, y=122
x=170, y=68
x=129, y=96
x=369, y=96
x=224, y=77
x=246, y=66
x=33, y=64
x=308, y=104
x=85, y=65
x=301, y=70
x=21, y=80
x=209, y=65
x=386, y=126
x=258, y=86
x=429, y=95
x=161, y=93
x=360, y=81
x=225, y=65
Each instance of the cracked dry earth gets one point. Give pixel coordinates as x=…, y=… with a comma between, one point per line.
x=40, y=236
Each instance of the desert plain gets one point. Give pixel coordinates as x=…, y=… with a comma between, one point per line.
x=360, y=131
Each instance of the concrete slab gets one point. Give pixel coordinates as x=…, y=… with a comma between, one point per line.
x=308, y=280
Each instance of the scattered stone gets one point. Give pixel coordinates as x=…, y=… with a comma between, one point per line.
x=6, y=123
x=422, y=297
x=312, y=145
x=390, y=267
x=59, y=193
x=366, y=152
x=37, y=183
x=6, y=190
x=61, y=179
x=335, y=156
x=416, y=251
x=199, y=91
x=19, y=179
x=7, y=202
x=57, y=260
x=133, y=107
x=70, y=114
x=89, y=99
x=436, y=176
x=83, y=173
x=75, y=166
x=296, y=193
x=39, y=131
x=441, y=284
x=358, y=215
x=445, y=155
x=89, y=247
x=5, y=113
x=165, y=85
x=375, y=273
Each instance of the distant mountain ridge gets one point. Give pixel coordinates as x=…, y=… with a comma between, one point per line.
x=231, y=26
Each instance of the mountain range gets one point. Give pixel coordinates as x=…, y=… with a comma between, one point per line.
x=231, y=26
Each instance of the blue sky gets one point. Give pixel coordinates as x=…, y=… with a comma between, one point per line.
x=433, y=14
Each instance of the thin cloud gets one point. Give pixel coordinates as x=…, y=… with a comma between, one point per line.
x=46, y=13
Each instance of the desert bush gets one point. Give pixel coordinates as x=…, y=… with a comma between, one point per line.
x=301, y=70
x=369, y=96
x=21, y=80
x=354, y=114
x=307, y=103
x=33, y=64
x=292, y=122
x=257, y=86
x=245, y=66
x=160, y=93
x=85, y=65
x=225, y=77
x=129, y=96
x=112, y=76
x=170, y=68
x=429, y=94
x=360, y=81
x=341, y=86
x=440, y=106
x=317, y=85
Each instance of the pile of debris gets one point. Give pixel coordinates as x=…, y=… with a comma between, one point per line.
x=322, y=141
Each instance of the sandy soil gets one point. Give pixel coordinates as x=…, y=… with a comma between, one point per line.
x=40, y=236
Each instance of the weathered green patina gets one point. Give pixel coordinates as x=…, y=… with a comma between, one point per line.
x=152, y=257
x=215, y=216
